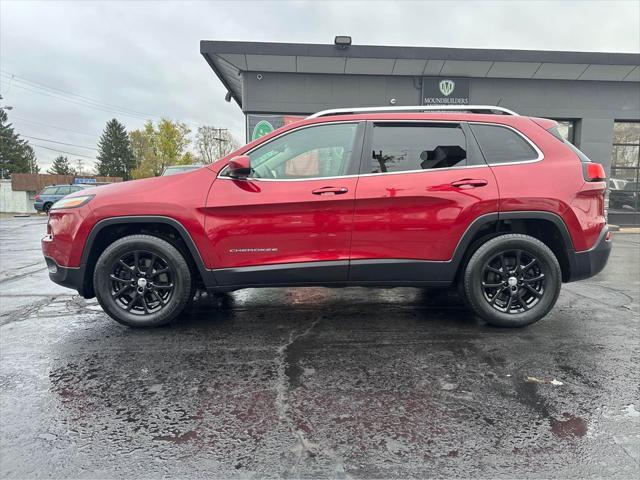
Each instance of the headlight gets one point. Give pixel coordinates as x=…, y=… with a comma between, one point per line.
x=72, y=202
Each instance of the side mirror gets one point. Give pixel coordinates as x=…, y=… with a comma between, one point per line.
x=240, y=167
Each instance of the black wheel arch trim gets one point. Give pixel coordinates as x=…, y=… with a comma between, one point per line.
x=207, y=276
x=466, y=240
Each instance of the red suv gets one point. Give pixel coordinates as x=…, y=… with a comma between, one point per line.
x=480, y=197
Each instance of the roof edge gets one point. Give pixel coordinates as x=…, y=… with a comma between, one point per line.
x=213, y=47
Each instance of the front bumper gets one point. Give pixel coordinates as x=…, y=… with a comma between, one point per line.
x=66, y=276
x=590, y=262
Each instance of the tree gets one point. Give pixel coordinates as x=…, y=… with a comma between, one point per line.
x=155, y=148
x=32, y=162
x=61, y=166
x=214, y=143
x=16, y=155
x=115, y=157
x=172, y=140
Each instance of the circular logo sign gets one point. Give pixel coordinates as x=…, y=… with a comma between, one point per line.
x=262, y=128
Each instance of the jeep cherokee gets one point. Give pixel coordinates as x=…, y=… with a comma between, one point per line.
x=476, y=196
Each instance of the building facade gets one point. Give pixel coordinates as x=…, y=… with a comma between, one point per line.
x=595, y=96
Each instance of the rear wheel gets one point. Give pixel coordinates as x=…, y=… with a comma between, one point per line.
x=512, y=280
x=142, y=281
x=46, y=207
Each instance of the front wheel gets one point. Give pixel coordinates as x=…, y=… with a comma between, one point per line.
x=142, y=281
x=512, y=280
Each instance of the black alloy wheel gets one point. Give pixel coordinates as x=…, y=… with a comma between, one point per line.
x=513, y=281
x=141, y=282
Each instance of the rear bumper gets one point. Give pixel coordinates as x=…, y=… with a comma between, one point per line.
x=66, y=276
x=38, y=206
x=590, y=262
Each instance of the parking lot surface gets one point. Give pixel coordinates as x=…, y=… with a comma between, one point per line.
x=317, y=383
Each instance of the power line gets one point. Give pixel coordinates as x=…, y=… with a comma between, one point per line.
x=24, y=120
x=76, y=99
x=61, y=143
x=62, y=151
x=74, y=96
x=79, y=103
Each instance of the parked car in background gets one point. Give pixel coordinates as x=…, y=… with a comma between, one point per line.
x=174, y=169
x=499, y=204
x=626, y=197
x=617, y=183
x=51, y=194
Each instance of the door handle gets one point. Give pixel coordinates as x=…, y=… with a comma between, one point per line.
x=330, y=191
x=469, y=183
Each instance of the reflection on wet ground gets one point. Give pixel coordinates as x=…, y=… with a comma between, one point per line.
x=322, y=383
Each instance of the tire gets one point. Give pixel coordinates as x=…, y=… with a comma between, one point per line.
x=158, y=291
x=46, y=207
x=490, y=289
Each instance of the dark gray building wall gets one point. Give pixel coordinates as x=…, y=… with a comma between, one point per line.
x=594, y=104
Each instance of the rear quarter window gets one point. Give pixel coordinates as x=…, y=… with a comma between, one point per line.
x=49, y=191
x=502, y=145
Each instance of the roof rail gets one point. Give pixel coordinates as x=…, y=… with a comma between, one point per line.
x=417, y=108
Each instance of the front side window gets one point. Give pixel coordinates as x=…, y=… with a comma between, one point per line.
x=313, y=152
x=502, y=145
x=408, y=147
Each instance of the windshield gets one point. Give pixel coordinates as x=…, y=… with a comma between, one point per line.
x=181, y=169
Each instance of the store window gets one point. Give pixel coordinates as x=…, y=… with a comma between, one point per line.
x=566, y=128
x=625, y=169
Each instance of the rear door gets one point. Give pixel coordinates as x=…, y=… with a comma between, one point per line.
x=291, y=221
x=421, y=186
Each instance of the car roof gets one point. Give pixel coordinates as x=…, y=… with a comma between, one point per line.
x=81, y=185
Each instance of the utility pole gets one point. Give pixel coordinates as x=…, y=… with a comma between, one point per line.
x=220, y=140
x=79, y=163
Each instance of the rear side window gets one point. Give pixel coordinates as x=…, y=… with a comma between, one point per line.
x=406, y=147
x=502, y=145
x=49, y=191
x=64, y=191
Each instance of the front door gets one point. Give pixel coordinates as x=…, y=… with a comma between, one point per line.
x=422, y=185
x=291, y=220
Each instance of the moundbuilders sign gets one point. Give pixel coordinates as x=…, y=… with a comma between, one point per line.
x=445, y=91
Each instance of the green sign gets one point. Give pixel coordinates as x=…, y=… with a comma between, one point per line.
x=262, y=128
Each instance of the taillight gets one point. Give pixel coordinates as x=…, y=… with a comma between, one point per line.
x=593, y=172
x=37, y=197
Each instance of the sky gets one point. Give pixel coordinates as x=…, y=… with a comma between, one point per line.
x=68, y=67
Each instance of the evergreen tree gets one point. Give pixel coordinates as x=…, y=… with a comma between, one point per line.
x=16, y=155
x=115, y=156
x=61, y=166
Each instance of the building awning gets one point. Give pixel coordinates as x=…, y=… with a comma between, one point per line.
x=229, y=59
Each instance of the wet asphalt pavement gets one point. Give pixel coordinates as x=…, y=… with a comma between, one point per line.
x=317, y=383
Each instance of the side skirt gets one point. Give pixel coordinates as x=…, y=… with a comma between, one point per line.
x=382, y=273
